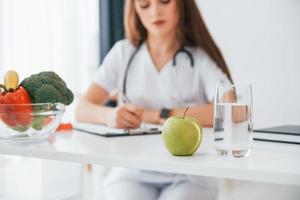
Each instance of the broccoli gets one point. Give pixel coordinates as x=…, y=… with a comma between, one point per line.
x=47, y=87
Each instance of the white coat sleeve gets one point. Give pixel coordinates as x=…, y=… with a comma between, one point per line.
x=107, y=75
x=211, y=76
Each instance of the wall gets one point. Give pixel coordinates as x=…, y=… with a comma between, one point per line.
x=261, y=43
x=40, y=35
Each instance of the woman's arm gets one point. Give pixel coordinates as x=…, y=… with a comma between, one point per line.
x=91, y=109
x=203, y=113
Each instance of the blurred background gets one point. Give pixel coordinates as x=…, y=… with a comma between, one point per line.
x=259, y=39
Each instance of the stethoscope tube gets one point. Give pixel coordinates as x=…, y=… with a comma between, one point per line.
x=127, y=68
x=181, y=50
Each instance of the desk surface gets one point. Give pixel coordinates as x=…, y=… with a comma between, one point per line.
x=269, y=162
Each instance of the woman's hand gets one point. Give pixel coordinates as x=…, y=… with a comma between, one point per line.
x=240, y=113
x=125, y=116
x=152, y=117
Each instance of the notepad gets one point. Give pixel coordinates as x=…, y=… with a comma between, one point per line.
x=284, y=134
x=102, y=130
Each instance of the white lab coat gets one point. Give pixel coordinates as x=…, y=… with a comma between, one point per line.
x=173, y=86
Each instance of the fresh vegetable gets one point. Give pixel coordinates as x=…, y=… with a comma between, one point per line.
x=11, y=80
x=16, y=110
x=65, y=127
x=39, y=122
x=47, y=87
x=17, y=115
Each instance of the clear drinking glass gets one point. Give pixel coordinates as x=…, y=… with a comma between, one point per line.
x=233, y=130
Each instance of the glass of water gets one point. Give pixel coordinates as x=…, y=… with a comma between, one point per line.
x=233, y=130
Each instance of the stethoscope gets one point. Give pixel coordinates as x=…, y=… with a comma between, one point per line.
x=181, y=50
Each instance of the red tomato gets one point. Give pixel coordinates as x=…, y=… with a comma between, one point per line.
x=3, y=113
x=18, y=114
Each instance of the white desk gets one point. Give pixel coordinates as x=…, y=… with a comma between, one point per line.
x=269, y=162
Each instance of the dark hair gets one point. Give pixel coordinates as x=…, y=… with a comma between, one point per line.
x=191, y=31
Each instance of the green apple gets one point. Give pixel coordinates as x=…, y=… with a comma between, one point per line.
x=182, y=135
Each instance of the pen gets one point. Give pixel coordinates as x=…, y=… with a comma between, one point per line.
x=124, y=98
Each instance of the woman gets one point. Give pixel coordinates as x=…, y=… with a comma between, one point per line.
x=159, y=83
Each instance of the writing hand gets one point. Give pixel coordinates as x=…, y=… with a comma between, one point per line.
x=125, y=116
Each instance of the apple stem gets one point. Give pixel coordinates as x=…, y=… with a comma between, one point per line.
x=185, y=112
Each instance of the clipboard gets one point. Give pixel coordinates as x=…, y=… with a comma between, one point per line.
x=284, y=134
x=105, y=131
